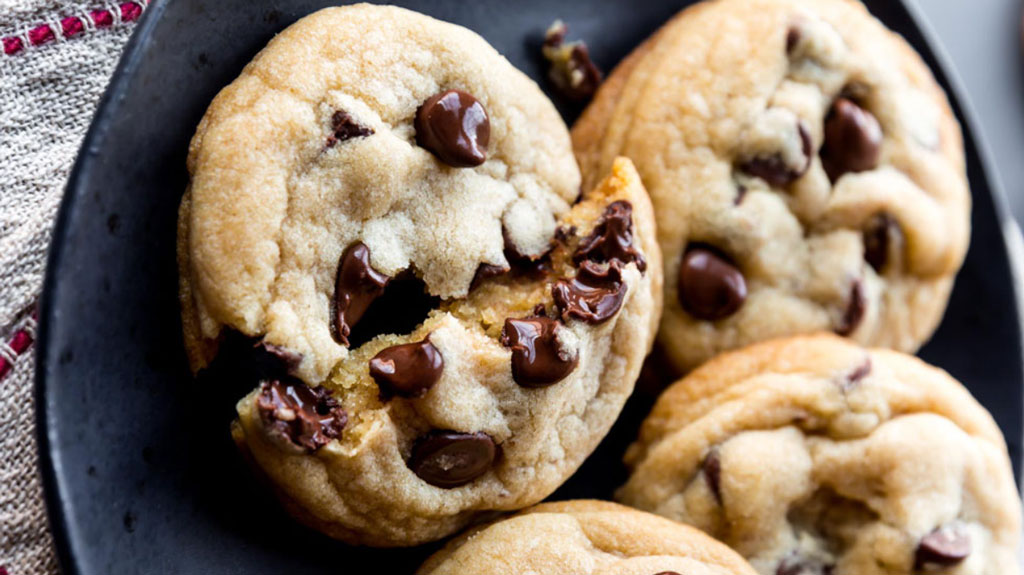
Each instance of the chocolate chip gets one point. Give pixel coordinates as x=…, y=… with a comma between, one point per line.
x=345, y=128
x=774, y=170
x=274, y=360
x=853, y=378
x=594, y=295
x=794, y=564
x=854, y=310
x=453, y=125
x=356, y=286
x=792, y=38
x=305, y=417
x=710, y=287
x=612, y=238
x=538, y=358
x=408, y=370
x=881, y=232
x=712, y=468
x=741, y=193
x=853, y=140
x=449, y=459
x=667, y=573
x=572, y=71
x=945, y=546
x=485, y=272
x=562, y=233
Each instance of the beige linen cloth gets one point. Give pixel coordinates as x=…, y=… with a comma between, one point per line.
x=48, y=93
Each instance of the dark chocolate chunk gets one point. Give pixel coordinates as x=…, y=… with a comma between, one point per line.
x=355, y=288
x=454, y=126
x=538, y=357
x=485, y=272
x=408, y=370
x=712, y=468
x=274, y=360
x=710, y=287
x=855, y=308
x=944, y=547
x=345, y=128
x=594, y=295
x=882, y=232
x=305, y=417
x=449, y=459
x=572, y=71
x=774, y=170
x=612, y=238
x=794, y=564
x=853, y=140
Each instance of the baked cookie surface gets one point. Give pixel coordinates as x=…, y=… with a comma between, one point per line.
x=806, y=170
x=585, y=538
x=384, y=212
x=814, y=455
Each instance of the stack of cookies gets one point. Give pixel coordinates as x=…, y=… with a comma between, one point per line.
x=440, y=299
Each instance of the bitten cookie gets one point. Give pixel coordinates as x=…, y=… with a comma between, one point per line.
x=381, y=209
x=814, y=456
x=806, y=170
x=585, y=538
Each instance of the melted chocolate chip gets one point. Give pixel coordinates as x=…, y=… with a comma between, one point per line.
x=538, y=357
x=794, y=564
x=449, y=459
x=710, y=287
x=774, y=170
x=945, y=547
x=853, y=140
x=355, y=288
x=345, y=128
x=485, y=272
x=858, y=373
x=408, y=370
x=594, y=295
x=712, y=468
x=792, y=38
x=881, y=232
x=453, y=125
x=667, y=573
x=612, y=238
x=572, y=71
x=308, y=418
x=854, y=310
x=273, y=360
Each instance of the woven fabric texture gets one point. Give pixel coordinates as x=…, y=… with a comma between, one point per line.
x=48, y=94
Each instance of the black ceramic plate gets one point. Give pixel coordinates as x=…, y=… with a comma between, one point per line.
x=140, y=474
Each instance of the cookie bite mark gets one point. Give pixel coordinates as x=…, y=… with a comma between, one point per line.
x=882, y=235
x=784, y=167
x=449, y=459
x=571, y=70
x=407, y=370
x=540, y=354
x=855, y=307
x=710, y=287
x=356, y=286
x=944, y=547
x=345, y=127
x=300, y=417
x=853, y=139
x=594, y=296
x=612, y=238
x=454, y=126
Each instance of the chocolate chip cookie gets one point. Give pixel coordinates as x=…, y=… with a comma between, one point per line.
x=806, y=170
x=384, y=214
x=812, y=455
x=585, y=538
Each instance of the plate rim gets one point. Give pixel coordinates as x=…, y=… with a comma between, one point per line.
x=50, y=462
